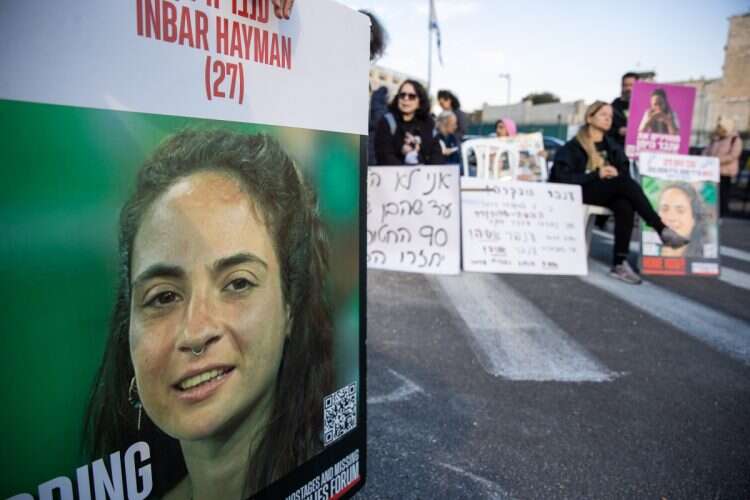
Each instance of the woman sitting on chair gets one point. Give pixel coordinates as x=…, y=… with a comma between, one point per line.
x=600, y=167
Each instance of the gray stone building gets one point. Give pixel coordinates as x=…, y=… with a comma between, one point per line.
x=729, y=95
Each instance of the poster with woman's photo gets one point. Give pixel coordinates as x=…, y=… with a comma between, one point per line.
x=660, y=119
x=531, y=164
x=684, y=191
x=181, y=261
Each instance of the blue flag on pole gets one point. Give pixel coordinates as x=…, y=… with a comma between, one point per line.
x=434, y=26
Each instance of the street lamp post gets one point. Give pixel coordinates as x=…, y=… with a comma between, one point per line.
x=507, y=77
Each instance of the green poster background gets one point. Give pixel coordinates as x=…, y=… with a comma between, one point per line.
x=65, y=174
x=705, y=218
x=708, y=192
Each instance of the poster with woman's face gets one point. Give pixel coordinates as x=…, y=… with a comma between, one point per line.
x=684, y=192
x=182, y=277
x=660, y=119
x=531, y=164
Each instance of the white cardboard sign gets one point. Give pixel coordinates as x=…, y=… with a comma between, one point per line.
x=522, y=227
x=682, y=168
x=413, y=219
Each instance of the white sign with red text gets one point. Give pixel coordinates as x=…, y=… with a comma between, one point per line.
x=228, y=59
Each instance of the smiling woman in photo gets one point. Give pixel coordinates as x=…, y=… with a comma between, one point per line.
x=219, y=352
x=681, y=208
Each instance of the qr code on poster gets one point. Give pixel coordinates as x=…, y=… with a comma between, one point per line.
x=339, y=413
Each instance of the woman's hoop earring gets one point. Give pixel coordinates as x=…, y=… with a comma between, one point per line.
x=135, y=400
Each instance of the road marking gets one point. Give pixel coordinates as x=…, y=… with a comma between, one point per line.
x=405, y=391
x=729, y=275
x=511, y=337
x=491, y=489
x=734, y=253
x=722, y=332
x=735, y=278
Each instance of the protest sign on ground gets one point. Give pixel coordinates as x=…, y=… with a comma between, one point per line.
x=413, y=219
x=684, y=191
x=522, y=227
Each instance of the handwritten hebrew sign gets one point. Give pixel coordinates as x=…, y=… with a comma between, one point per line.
x=413, y=219
x=522, y=227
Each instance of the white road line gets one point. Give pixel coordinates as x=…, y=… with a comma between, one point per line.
x=734, y=253
x=729, y=275
x=720, y=331
x=511, y=337
x=735, y=278
x=405, y=391
x=491, y=489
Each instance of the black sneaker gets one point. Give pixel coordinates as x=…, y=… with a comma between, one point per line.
x=671, y=239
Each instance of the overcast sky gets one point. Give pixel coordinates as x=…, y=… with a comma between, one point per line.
x=576, y=49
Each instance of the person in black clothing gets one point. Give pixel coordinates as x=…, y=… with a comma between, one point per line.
x=620, y=109
x=599, y=165
x=404, y=135
x=379, y=96
x=619, y=128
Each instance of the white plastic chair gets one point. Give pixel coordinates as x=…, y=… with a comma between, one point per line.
x=488, y=153
x=589, y=214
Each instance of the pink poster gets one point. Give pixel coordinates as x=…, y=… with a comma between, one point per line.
x=660, y=119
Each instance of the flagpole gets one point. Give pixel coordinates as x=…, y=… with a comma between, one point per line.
x=429, y=48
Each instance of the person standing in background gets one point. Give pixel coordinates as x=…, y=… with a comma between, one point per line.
x=620, y=109
x=725, y=145
x=449, y=102
x=379, y=96
x=446, y=136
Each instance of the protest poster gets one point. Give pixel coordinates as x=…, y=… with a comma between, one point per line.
x=531, y=163
x=522, y=227
x=659, y=119
x=175, y=191
x=519, y=157
x=413, y=219
x=684, y=191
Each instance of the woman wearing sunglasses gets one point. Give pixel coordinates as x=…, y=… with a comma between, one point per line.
x=404, y=136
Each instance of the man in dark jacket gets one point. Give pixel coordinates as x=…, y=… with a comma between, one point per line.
x=620, y=108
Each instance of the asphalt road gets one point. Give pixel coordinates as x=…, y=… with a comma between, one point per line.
x=530, y=387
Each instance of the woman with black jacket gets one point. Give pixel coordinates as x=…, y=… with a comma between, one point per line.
x=600, y=167
x=404, y=135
